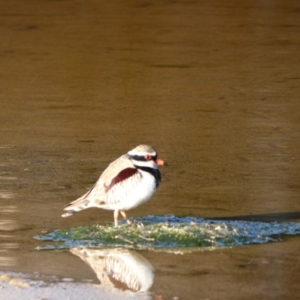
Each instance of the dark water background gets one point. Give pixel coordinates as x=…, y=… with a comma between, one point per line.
x=213, y=85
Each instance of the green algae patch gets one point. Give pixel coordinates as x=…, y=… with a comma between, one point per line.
x=170, y=233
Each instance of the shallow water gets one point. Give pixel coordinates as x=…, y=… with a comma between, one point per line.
x=213, y=86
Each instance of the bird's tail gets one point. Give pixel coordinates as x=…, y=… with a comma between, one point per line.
x=75, y=206
x=67, y=214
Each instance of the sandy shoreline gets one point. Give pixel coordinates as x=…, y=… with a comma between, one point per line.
x=15, y=286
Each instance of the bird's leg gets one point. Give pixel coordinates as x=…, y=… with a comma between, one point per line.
x=116, y=214
x=125, y=216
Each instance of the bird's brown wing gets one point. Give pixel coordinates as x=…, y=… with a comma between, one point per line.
x=124, y=174
x=119, y=170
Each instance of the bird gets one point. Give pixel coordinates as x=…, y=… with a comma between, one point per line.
x=126, y=183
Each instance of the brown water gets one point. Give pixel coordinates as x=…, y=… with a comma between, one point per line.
x=214, y=86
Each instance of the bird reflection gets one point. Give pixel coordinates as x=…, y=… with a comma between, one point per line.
x=119, y=268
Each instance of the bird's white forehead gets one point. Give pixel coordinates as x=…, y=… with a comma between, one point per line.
x=142, y=150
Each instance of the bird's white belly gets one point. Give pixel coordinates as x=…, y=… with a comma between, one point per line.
x=132, y=193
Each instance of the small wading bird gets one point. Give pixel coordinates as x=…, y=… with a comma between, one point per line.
x=126, y=183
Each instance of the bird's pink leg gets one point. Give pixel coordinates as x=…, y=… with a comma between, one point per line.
x=125, y=216
x=116, y=214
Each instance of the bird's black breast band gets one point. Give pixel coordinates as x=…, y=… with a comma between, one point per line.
x=154, y=172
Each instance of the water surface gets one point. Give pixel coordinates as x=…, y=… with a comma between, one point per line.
x=213, y=86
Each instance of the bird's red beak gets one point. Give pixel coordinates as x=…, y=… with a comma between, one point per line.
x=160, y=162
